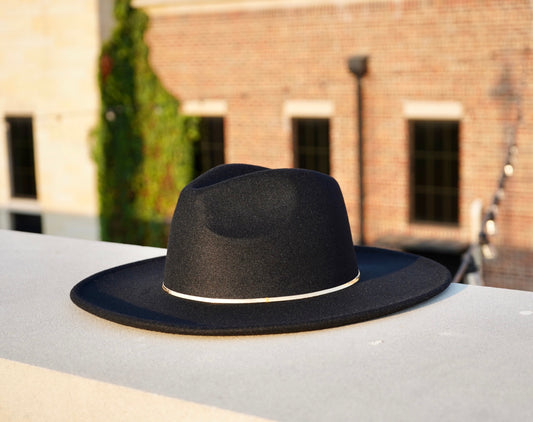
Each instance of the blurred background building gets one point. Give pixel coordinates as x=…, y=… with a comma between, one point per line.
x=414, y=106
x=48, y=107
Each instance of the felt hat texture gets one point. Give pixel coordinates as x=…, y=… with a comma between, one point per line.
x=254, y=250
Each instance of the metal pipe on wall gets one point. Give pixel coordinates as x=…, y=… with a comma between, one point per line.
x=358, y=66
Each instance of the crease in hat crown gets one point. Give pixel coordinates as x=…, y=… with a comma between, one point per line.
x=248, y=234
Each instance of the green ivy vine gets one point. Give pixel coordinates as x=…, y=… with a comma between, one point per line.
x=144, y=146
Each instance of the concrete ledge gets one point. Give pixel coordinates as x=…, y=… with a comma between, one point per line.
x=433, y=110
x=53, y=223
x=167, y=7
x=33, y=393
x=308, y=108
x=205, y=108
x=464, y=355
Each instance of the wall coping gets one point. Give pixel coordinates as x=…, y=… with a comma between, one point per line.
x=173, y=7
x=463, y=355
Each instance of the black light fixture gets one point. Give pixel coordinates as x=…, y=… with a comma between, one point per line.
x=358, y=66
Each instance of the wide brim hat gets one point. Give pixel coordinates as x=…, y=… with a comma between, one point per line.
x=259, y=251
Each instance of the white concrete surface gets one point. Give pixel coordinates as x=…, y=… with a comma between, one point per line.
x=464, y=355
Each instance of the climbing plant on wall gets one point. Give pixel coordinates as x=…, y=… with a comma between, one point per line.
x=143, y=145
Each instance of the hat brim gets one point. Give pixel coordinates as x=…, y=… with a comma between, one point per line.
x=132, y=295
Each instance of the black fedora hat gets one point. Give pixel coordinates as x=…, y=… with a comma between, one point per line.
x=254, y=251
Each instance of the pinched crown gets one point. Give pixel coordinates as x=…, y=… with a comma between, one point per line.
x=244, y=233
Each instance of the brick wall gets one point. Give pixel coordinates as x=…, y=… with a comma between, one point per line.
x=475, y=53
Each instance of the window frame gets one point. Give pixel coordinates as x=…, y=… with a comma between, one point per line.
x=14, y=170
x=204, y=153
x=448, y=191
x=317, y=147
x=26, y=222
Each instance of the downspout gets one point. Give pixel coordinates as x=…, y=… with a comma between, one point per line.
x=358, y=66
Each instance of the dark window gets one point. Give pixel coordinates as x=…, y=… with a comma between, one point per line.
x=21, y=159
x=209, y=148
x=26, y=222
x=311, y=144
x=434, y=171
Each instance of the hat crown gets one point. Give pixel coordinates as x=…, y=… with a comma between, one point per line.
x=244, y=232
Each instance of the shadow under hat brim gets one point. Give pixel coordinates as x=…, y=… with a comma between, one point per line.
x=132, y=295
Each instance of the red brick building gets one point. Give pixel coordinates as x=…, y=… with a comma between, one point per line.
x=445, y=82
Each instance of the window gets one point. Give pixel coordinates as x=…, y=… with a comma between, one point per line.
x=434, y=171
x=26, y=222
x=311, y=144
x=209, y=149
x=22, y=171
x=20, y=145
